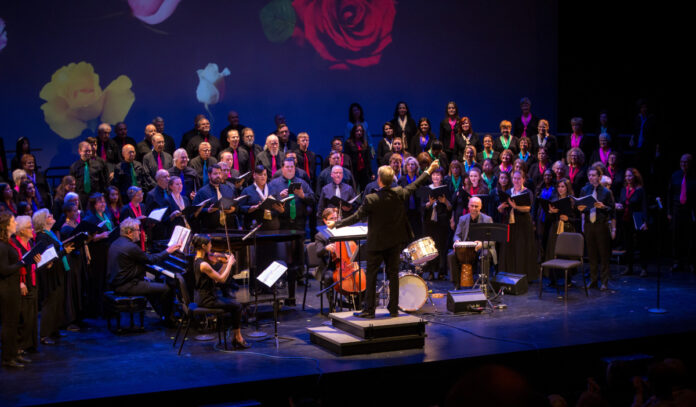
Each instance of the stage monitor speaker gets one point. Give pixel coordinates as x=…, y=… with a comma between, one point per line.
x=466, y=301
x=511, y=284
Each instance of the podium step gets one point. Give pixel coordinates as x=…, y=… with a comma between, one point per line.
x=344, y=344
x=382, y=326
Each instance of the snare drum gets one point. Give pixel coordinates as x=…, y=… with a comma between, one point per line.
x=466, y=254
x=422, y=251
x=413, y=292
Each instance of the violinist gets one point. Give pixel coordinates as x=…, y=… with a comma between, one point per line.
x=206, y=277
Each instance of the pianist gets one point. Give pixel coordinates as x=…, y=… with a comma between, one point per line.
x=126, y=270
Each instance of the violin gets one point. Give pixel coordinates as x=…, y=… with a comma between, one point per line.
x=353, y=278
x=221, y=257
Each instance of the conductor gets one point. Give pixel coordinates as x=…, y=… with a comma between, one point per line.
x=387, y=233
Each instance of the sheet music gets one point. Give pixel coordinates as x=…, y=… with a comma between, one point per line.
x=272, y=274
x=179, y=236
x=157, y=214
x=48, y=255
x=348, y=231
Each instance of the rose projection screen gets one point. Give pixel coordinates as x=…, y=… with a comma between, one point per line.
x=65, y=66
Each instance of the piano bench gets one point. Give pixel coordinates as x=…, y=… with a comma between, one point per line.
x=115, y=304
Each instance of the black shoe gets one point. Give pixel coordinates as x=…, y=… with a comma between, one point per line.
x=240, y=345
x=290, y=302
x=22, y=359
x=365, y=314
x=12, y=363
x=393, y=314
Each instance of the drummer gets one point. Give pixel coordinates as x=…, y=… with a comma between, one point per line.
x=461, y=234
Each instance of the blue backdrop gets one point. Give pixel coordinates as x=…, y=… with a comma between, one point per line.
x=305, y=59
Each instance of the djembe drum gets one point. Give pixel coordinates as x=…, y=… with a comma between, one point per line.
x=466, y=255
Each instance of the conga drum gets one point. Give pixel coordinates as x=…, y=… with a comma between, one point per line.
x=466, y=255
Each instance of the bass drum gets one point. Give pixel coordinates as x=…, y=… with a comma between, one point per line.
x=413, y=292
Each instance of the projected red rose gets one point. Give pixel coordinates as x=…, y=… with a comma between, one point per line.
x=346, y=32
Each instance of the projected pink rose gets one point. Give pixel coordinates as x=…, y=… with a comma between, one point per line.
x=3, y=35
x=153, y=11
x=346, y=32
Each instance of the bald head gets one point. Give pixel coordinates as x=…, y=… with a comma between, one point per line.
x=150, y=131
x=475, y=207
x=128, y=153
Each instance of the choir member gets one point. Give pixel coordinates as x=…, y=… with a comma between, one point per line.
x=10, y=294
x=177, y=203
x=106, y=148
x=506, y=141
x=356, y=116
x=52, y=280
x=423, y=139
x=578, y=139
x=255, y=194
x=469, y=158
x=203, y=134
x=601, y=154
x=359, y=151
x=28, y=162
x=519, y=254
x=299, y=172
x=240, y=156
x=560, y=222
x=525, y=154
x=344, y=159
x=74, y=306
x=203, y=161
x=188, y=175
x=18, y=176
x=28, y=332
x=22, y=146
x=306, y=159
x=466, y=137
x=449, y=127
x=384, y=146
x=544, y=139
x=187, y=136
x=144, y=147
x=502, y=185
x=285, y=142
x=169, y=145
x=576, y=173
x=158, y=158
x=397, y=148
x=7, y=201
x=253, y=150
x=538, y=168
x=488, y=176
x=90, y=175
x=487, y=153
x=413, y=203
x=135, y=210
x=436, y=220
x=271, y=157
x=596, y=220
x=456, y=185
x=67, y=184
x=336, y=188
x=324, y=178
x=681, y=201
x=546, y=190
x=614, y=172
x=206, y=278
x=403, y=123
x=27, y=193
x=526, y=124
x=211, y=217
x=130, y=172
x=121, y=138
x=632, y=206
x=98, y=247
x=506, y=162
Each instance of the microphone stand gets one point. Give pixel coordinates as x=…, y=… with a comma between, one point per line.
x=657, y=309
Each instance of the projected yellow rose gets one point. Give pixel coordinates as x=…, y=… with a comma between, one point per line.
x=74, y=97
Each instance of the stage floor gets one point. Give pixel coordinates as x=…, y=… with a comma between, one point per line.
x=94, y=363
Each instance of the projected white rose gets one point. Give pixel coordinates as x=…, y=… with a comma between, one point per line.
x=3, y=34
x=211, y=85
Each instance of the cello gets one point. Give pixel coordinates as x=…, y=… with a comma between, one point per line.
x=349, y=278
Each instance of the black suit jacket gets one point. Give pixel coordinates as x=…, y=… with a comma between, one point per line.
x=98, y=175
x=191, y=180
x=551, y=144
x=265, y=159
x=463, y=142
x=113, y=151
x=122, y=178
x=211, y=221
x=242, y=158
x=532, y=127
x=445, y=135
x=587, y=145
x=311, y=161
x=253, y=198
x=253, y=153
x=197, y=165
x=150, y=162
x=142, y=149
x=126, y=262
x=347, y=162
x=192, y=146
x=387, y=225
x=603, y=195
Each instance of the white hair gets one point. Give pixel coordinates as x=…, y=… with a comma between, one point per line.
x=23, y=221
x=69, y=196
x=39, y=219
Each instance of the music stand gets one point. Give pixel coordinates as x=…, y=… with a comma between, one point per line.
x=488, y=232
x=269, y=277
x=257, y=333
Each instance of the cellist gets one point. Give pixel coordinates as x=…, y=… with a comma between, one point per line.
x=336, y=260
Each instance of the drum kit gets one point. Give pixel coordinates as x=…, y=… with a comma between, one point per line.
x=413, y=289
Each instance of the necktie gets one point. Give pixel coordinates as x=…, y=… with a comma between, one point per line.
x=252, y=162
x=235, y=162
x=338, y=191
x=159, y=161
x=293, y=207
x=223, y=217
x=273, y=165
x=593, y=211
x=682, y=193
x=306, y=166
x=134, y=179
x=137, y=211
x=166, y=196
x=433, y=215
x=205, y=172
x=183, y=185
x=87, y=180
x=103, y=152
